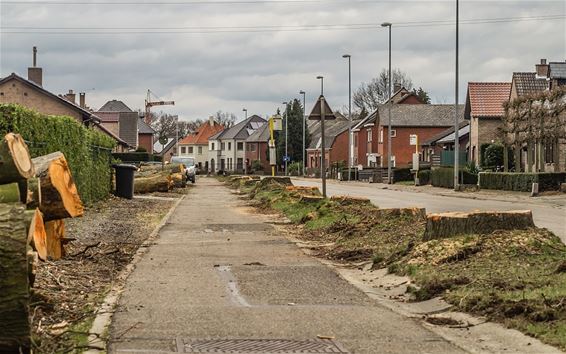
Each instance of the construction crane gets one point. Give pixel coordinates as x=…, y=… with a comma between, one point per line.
x=149, y=103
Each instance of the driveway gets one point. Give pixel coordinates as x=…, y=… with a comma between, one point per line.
x=550, y=214
x=221, y=280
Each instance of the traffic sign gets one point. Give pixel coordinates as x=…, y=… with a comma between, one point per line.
x=286, y=158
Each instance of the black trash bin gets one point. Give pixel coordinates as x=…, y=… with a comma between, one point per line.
x=125, y=180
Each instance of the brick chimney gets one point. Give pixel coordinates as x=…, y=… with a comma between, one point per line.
x=82, y=100
x=70, y=96
x=542, y=69
x=35, y=74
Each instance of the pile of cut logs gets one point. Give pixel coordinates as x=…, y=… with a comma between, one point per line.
x=35, y=196
x=159, y=178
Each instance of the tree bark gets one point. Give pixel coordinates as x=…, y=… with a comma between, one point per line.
x=55, y=234
x=59, y=196
x=33, y=199
x=443, y=225
x=14, y=281
x=15, y=160
x=158, y=183
x=10, y=193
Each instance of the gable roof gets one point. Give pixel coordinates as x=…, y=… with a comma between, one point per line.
x=144, y=128
x=528, y=83
x=204, y=131
x=420, y=115
x=332, y=129
x=114, y=106
x=400, y=95
x=86, y=114
x=315, y=112
x=261, y=135
x=242, y=130
x=486, y=99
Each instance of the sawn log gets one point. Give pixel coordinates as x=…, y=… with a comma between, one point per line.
x=15, y=160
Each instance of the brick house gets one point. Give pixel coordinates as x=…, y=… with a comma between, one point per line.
x=121, y=120
x=195, y=145
x=257, y=149
x=227, y=149
x=484, y=110
x=432, y=148
x=364, y=133
x=146, y=135
x=30, y=93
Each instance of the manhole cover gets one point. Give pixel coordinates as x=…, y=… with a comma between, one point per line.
x=275, y=346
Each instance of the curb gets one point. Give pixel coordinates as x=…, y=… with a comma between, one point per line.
x=103, y=318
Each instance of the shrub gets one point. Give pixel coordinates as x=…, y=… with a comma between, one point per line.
x=87, y=150
x=133, y=156
x=402, y=174
x=294, y=168
x=444, y=177
x=522, y=182
x=256, y=165
x=494, y=155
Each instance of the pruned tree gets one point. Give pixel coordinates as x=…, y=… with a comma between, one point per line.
x=369, y=95
x=168, y=125
x=226, y=119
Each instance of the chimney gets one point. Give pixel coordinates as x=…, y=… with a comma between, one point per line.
x=82, y=100
x=211, y=121
x=70, y=96
x=35, y=74
x=396, y=87
x=542, y=69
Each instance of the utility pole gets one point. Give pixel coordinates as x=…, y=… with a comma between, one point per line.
x=350, y=149
x=304, y=128
x=456, y=125
x=323, y=145
x=389, y=79
x=286, y=118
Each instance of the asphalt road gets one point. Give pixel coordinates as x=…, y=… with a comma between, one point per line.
x=220, y=279
x=550, y=215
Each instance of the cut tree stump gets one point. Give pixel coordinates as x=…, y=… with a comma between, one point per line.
x=15, y=160
x=59, y=196
x=179, y=180
x=10, y=193
x=444, y=225
x=419, y=213
x=55, y=235
x=37, y=236
x=348, y=200
x=157, y=183
x=14, y=280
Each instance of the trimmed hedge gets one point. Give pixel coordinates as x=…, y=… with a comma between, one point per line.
x=444, y=177
x=137, y=156
x=402, y=174
x=87, y=150
x=522, y=182
x=424, y=177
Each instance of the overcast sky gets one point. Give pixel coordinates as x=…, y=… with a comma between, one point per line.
x=248, y=66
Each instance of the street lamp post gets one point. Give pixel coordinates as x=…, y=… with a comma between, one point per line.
x=245, y=110
x=350, y=149
x=322, y=142
x=304, y=128
x=389, y=79
x=286, y=158
x=456, y=125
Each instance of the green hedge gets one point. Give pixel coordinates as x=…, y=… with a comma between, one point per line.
x=522, y=182
x=137, y=156
x=424, y=177
x=87, y=150
x=444, y=177
x=402, y=174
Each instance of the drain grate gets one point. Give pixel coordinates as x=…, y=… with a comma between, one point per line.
x=274, y=346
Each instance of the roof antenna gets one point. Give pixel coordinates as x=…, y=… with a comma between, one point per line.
x=34, y=56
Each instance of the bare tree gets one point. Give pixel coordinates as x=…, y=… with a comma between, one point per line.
x=226, y=119
x=168, y=125
x=369, y=95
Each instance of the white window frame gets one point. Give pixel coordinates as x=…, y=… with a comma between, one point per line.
x=380, y=136
x=393, y=133
x=370, y=136
x=200, y=150
x=189, y=150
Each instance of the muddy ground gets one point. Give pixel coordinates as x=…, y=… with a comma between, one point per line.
x=67, y=291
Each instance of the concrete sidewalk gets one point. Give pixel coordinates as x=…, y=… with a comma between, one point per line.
x=219, y=280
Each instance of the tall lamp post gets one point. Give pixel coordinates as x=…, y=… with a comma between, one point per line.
x=456, y=125
x=286, y=158
x=304, y=128
x=350, y=149
x=389, y=79
x=323, y=144
x=245, y=110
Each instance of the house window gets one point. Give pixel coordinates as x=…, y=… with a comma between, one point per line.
x=355, y=140
x=393, y=160
x=380, y=136
x=369, y=136
x=190, y=150
x=252, y=147
x=229, y=146
x=240, y=146
x=393, y=133
x=200, y=150
x=222, y=146
x=183, y=149
x=212, y=146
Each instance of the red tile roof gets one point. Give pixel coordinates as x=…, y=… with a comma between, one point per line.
x=200, y=137
x=486, y=99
